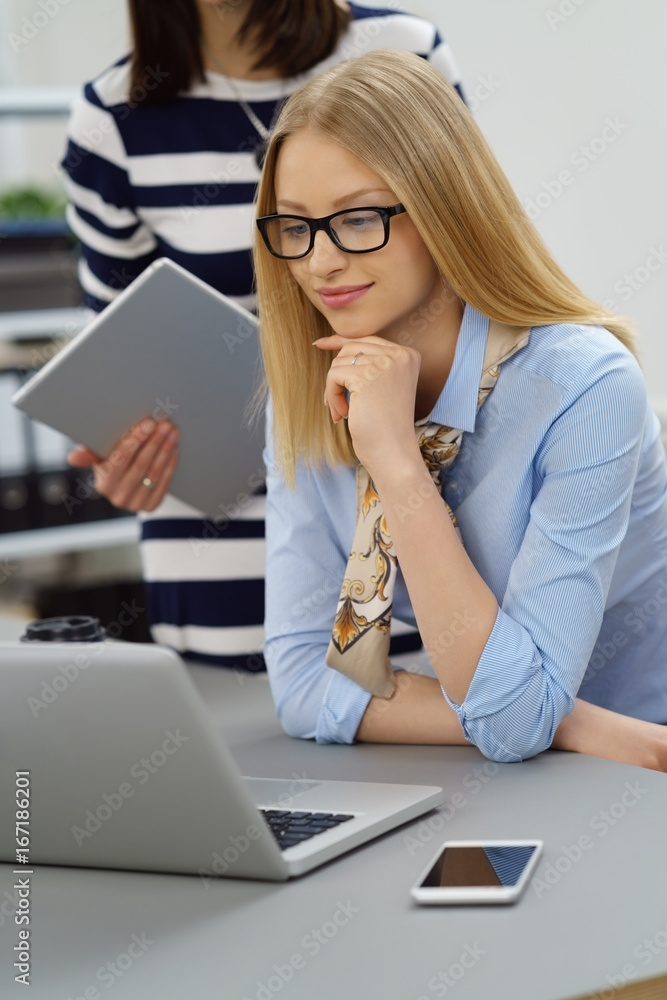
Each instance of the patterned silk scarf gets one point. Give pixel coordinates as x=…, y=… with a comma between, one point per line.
x=359, y=646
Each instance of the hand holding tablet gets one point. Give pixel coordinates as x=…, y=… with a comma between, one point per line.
x=138, y=471
x=174, y=349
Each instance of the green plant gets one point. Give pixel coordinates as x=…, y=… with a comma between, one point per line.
x=32, y=202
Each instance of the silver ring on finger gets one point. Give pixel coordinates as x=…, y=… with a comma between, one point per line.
x=355, y=357
x=148, y=483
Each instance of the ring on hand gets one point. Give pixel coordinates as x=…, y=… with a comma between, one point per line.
x=148, y=483
x=355, y=357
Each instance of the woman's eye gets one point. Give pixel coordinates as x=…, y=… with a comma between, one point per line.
x=295, y=231
x=359, y=221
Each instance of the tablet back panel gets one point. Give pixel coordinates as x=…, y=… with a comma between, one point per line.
x=168, y=346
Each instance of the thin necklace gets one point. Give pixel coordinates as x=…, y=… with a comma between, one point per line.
x=259, y=126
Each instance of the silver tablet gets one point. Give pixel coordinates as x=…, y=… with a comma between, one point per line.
x=168, y=346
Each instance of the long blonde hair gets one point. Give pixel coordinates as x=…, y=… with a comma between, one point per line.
x=402, y=119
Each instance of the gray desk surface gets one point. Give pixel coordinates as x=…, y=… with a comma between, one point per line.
x=598, y=916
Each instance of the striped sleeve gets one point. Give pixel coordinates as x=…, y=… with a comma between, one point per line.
x=116, y=246
x=442, y=58
x=384, y=28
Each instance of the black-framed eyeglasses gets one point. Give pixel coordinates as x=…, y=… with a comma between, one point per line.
x=357, y=230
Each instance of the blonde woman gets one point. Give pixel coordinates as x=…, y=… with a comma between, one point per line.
x=485, y=463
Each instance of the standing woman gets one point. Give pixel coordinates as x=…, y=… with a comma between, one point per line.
x=486, y=463
x=163, y=161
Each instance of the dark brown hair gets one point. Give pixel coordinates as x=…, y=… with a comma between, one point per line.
x=289, y=36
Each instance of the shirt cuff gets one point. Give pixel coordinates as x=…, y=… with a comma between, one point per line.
x=506, y=668
x=342, y=710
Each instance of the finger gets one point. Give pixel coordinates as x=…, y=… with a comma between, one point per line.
x=83, y=458
x=158, y=474
x=335, y=412
x=146, y=493
x=123, y=452
x=363, y=359
x=157, y=495
x=148, y=465
x=337, y=382
x=345, y=374
x=119, y=476
x=110, y=469
x=373, y=357
x=355, y=350
x=336, y=342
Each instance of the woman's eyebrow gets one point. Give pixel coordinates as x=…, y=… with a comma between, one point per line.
x=337, y=201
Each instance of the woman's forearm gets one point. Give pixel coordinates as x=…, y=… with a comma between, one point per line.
x=454, y=608
x=602, y=733
x=417, y=712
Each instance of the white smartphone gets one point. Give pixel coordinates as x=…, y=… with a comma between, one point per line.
x=478, y=871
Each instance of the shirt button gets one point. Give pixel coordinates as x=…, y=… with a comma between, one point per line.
x=453, y=487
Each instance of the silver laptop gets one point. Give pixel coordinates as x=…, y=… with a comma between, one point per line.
x=125, y=769
x=168, y=346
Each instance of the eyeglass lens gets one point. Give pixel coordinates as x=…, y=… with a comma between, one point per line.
x=362, y=230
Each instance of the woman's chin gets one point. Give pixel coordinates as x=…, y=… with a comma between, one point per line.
x=352, y=331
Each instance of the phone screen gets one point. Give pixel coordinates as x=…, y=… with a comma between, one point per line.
x=486, y=867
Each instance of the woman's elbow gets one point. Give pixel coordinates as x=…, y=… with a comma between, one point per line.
x=525, y=726
x=294, y=725
x=294, y=716
x=505, y=744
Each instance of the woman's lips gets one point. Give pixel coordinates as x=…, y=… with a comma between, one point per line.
x=335, y=298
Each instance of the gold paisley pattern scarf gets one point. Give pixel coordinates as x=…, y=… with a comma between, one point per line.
x=359, y=646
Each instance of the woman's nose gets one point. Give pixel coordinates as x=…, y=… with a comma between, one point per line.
x=325, y=256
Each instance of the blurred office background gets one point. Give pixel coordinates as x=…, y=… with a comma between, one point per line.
x=570, y=94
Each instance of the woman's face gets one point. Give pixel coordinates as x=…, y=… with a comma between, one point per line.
x=360, y=294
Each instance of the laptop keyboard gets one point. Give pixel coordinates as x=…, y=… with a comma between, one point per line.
x=291, y=828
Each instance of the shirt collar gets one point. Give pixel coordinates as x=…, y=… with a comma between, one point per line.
x=457, y=403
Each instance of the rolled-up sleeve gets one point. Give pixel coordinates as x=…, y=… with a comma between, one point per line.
x=551, y=613
x=305, y=567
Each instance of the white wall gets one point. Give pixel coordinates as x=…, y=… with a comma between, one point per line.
x=45, y=42
x=559, y=70
x=60, y=41
x=545, y=77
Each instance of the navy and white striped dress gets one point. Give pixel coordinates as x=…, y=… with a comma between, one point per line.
x=178, y=180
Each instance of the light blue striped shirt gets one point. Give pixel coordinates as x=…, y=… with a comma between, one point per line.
x=560, y=492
